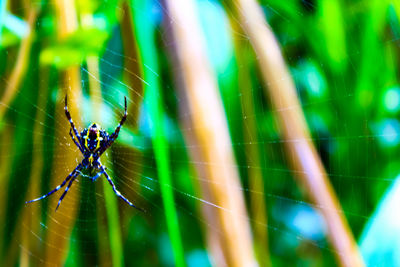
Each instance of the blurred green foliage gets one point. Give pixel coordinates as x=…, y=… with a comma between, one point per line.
x=343, y=57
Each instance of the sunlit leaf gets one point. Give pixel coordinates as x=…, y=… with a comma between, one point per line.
x=75, y=48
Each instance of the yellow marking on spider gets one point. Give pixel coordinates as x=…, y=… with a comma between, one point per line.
x=98, y=139
x=86, y=137
x=90, y=160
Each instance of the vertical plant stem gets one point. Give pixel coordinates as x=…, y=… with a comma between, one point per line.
x=113, y=225
x=21, y=64
x=256, y=183
x=145, y=36
x=132, y=72
x=163, y=169
x=132, y=75
x=12, y=88
x=61, y=222
x=211, y=132
x=31, y=215
x=300, y=150
x=7, y=138
x=214, y=242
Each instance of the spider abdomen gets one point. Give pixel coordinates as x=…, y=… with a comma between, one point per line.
x=94, y=138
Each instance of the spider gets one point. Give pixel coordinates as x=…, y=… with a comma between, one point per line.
x=92, y=142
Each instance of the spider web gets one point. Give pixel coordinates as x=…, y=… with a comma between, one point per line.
x=295, y=226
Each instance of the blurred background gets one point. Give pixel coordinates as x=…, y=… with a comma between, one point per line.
x=260, y=133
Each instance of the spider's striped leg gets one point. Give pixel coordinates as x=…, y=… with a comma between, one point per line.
x=94, y=178
x=71, y=122
x=73, y=139
x=114, y=135
x=71, y=175
x=66, y=191
x=103, y=170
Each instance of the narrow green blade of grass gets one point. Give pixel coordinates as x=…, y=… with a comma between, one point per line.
x=369, y=75
x=333, y=34
x=145, y=32
x=113, y=225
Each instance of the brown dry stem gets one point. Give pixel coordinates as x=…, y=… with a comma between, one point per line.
x=211, y=133
x=60, y=223
x=255, y=177
x=301, y=152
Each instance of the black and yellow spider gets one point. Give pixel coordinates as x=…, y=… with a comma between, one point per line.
x=92, y=142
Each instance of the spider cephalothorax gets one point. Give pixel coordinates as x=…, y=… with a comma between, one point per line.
x=92, y=142
x=94, y=137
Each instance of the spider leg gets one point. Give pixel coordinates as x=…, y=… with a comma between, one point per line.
x=114, y=135
x=115, y=189
x=76, y=142
x=72, y=174
x=66, y=191
x=94, y=178
x=71, y=122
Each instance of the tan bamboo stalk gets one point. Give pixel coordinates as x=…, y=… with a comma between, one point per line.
x=211, y=132
x=60, y=223
x=132, y=75
x=21, y=64
x=301, y=152
x=132, y=71
x=256, y=182
x=212, y=228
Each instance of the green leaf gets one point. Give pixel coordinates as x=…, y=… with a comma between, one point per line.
x=75, y=48
x=333, y=34
x=145, y=34
x=8, y=38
